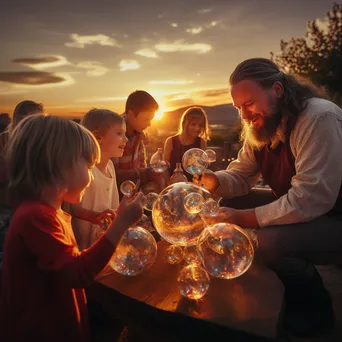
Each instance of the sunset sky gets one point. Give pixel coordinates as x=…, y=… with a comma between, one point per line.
x=73, y=55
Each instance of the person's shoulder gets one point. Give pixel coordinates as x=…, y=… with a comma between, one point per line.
x=34, y=209
x=317, y=107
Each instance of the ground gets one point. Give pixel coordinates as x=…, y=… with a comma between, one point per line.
x=332, y=276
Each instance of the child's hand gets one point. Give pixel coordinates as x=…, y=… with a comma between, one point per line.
x=131, y=209
x=107, y=215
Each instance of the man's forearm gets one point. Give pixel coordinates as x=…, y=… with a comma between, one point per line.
x=246, y=218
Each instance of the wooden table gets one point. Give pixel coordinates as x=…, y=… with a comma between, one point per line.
x=242, y=309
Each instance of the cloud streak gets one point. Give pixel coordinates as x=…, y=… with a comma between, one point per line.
x=35, y=78
x=42, y=62
x=182, y=46
x=171, y=82
x=129, y=64
x=94, y=68
x=80, y=42
x=149, y=53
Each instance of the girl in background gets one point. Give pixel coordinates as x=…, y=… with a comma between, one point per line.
x=193, y=133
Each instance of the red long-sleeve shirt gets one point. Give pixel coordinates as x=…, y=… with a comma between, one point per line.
x=43, y=277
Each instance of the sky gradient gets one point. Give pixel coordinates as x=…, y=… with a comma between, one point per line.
x=74, y=55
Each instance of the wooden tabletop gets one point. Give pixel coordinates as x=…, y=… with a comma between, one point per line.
x=251, y=303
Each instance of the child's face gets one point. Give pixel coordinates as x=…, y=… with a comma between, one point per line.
x=139, y=122
x=77, y=180
x=114, y=141
x=195, y=127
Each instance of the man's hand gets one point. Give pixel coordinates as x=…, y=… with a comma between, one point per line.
x=225, y=214
x=107, y=216
x=208, y=180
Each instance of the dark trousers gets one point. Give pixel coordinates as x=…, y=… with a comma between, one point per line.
x=292, y=250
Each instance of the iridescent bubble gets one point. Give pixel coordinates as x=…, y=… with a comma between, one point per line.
x=174, y=254
x=191, y=256
x=135, y=253
x=145, y=223
x=254, y=236
x=225, y=250
x=160, y=166
x=150, y=200
x=127, y=188
x=211, y=155
x=195, y=161
x=170, y=218
x=193, y=282
x=210, y=208
x=193, y=202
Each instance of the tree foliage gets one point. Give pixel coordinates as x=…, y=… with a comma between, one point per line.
x=318, y=55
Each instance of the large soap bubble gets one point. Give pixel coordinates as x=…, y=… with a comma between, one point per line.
x=193, y=282
x=226, y=251
x=195, y=161
x=135, y=253
x=171, y=219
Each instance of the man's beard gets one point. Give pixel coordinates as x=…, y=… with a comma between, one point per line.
x=260, y=137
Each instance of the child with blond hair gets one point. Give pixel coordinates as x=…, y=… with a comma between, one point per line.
x=101, y=198
x=50, y=160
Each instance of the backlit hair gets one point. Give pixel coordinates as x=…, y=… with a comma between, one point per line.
x=141, y=101
x=195, y=113
x=41, y=151
x=24, y=109
x=100, y=120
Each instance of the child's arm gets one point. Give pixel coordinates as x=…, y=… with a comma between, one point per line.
x=57, y=253
x=168, y=149
x=94, y=217
x=203, y=145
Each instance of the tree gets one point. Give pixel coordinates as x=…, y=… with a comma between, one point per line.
x=318, y=55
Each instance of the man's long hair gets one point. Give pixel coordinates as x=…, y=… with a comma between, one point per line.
x=297, y=90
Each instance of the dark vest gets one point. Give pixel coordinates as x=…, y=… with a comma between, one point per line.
x=277, y=168
x=178, y=150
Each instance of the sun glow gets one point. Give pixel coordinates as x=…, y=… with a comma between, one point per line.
x=159, y=114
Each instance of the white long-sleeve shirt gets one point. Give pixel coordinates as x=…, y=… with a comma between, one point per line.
x=316, y=144
x=101, y=194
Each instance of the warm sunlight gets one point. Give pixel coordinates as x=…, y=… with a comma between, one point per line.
x=161, y=111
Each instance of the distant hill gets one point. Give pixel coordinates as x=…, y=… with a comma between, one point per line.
x=224, y=114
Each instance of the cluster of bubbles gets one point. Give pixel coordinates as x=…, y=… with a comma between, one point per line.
x=179, y=215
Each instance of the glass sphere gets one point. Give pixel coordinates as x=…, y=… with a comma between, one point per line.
x=195, y=161
x=160, y=166
x=127, y=188
x=211, y=155
x=174, y=254
x=150, y=200
x=210, y=208
x=193, y=202
x=170, y=218
x=193, y=282
x=135, y=253
x=145, y=223
x=191, y=255
x=225, y=250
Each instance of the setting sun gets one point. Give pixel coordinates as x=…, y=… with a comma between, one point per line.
x=160, y=112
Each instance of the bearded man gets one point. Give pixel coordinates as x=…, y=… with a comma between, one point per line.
x=292, y=137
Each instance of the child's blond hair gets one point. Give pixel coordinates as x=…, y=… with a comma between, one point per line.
x=98, y=121
x=42, y=149
x=194, y=113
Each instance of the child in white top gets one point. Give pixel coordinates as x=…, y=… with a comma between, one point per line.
x=109, y=128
